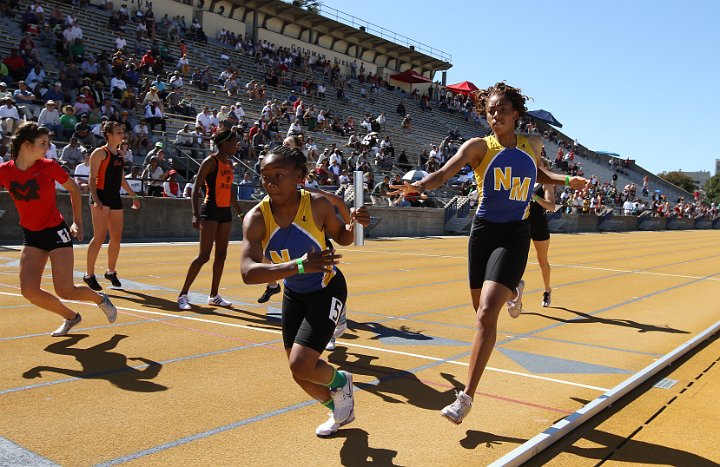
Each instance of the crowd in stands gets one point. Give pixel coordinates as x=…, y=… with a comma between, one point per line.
x=142, y=86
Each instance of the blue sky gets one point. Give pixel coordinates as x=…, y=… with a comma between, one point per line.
x=636, y=77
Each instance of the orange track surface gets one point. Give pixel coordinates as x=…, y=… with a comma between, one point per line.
x=211, y=386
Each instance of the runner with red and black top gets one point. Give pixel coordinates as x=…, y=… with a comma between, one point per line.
x=107, y=175
x=30, y=179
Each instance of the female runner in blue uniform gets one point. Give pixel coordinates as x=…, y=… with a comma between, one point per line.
x=288, y=227
x=506, y=169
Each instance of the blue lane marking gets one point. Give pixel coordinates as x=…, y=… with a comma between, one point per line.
x=541, y=364
x=261, y=417
x=136, y=367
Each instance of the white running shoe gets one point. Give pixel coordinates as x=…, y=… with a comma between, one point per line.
x=183, y=303
x=546, y=299
x=66, y=326
x=108, y=308
x=217, y=300
x=514, y=307
x=330, y=345
x=459, y=409
x=330, y=426
x=341, y=325
x=343, y=400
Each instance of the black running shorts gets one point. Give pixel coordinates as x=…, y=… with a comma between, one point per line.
x=498, y=252
x=50, y=238
x=110, y=199
x=209, y=212
x=309, y=319
x=539, y=229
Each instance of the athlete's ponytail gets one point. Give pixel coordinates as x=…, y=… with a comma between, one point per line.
x=25, y=132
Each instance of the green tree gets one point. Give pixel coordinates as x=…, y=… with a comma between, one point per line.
x=310, y=5
x=678, y=179
x=712, y=188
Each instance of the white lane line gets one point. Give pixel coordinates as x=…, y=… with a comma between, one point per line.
x=348, y=344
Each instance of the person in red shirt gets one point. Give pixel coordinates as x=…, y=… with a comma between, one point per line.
x=30, y=179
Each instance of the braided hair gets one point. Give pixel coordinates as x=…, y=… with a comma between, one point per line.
x=26, y=131
x=294, y=156
x=512, y=94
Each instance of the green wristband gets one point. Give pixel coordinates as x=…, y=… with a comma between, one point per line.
x=301, y=268
x=567, y=180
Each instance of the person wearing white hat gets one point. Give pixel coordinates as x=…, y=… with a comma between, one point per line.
x=50, y=119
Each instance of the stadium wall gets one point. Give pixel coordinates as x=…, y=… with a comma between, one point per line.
x=169, y=219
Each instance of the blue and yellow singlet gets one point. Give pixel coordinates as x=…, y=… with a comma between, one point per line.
x=281, y=245
x=505, y=180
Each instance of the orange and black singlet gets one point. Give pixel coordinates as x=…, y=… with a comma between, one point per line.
x=218, y=185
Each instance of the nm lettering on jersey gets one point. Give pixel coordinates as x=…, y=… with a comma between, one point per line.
x=505, y=178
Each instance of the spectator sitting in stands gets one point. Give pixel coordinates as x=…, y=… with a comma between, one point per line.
x=155, y=116
x=82, y=171
x=16, y=65
x=407, y=122
x=203, y=120
x=55, y=93
x=171, y=188
x=141, y=136
x=68, y=120
x=83, y=132
x=50, y=119
x=155, y=177
x=72, y=154
x=9, y=116
x=295, y=129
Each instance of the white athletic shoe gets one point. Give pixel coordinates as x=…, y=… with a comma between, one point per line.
x=459, y=409
x=514, y=307
x=217, y=300
x=66, y=326
x=330, y=345
x=343, y=400
x=183, y=303
x=108, y=308
x=341, y=325
x=330, y=426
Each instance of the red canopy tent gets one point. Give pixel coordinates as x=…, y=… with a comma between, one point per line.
x=410, y=76
x=464, y=88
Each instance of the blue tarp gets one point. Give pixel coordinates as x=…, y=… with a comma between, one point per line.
x=545, y=116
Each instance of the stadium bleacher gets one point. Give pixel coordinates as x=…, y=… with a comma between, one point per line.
x=428, y=127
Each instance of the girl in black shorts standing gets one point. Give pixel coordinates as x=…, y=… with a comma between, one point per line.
x=289, y=228
x=543, y=200
x=107, y=175
x=213, y=217
x=30, y=179
x=506, y=169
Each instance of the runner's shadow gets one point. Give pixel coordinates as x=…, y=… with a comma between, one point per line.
x=392, y=382
x=383, y=332
x=621, y=449
x=98, y=362
x=473, y=439
x=150, y=301
x=585, y=318
x=356, y=450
